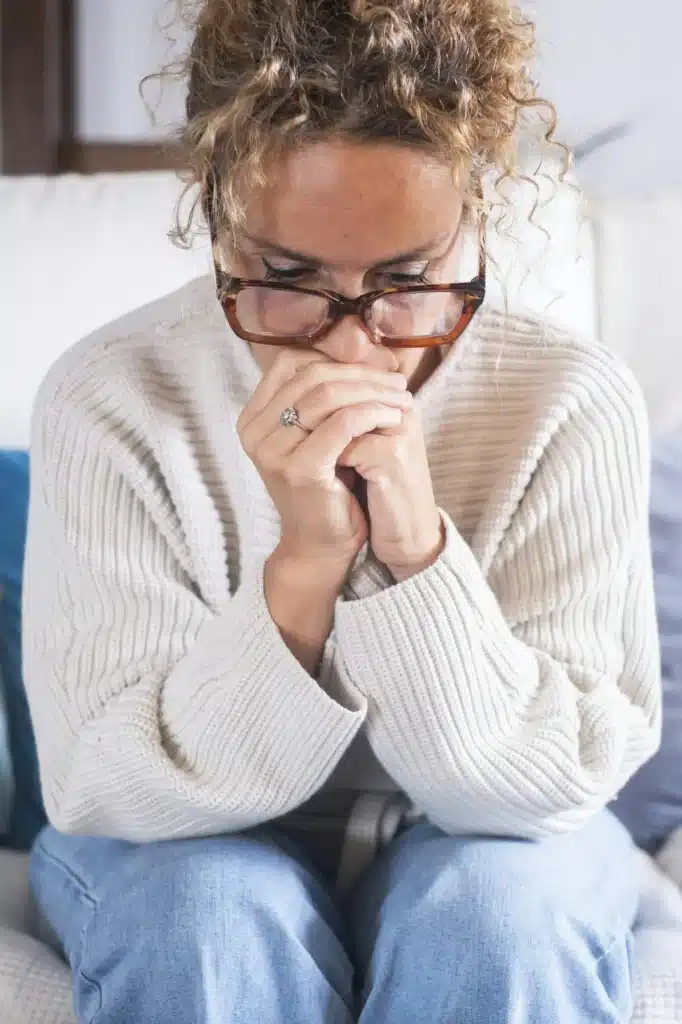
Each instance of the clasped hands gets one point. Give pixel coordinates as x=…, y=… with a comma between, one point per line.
x=361, y=425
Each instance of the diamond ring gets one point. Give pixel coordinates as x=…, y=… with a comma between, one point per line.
x=289, y=418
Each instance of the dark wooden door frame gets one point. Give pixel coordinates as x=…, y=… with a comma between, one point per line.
x=38, y=99
x=36, y=83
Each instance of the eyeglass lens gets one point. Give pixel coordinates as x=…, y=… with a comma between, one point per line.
x=272, y=312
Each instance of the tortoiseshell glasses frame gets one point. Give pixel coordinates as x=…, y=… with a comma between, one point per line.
x=339, y=306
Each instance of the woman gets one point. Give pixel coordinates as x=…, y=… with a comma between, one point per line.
x=339, y=630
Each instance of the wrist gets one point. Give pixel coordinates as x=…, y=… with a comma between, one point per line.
x=301, y=599
x=420, y=560
x=312, y=570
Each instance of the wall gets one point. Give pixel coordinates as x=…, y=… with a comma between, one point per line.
x=606, y=62
x=601, y=62
x=118, y=44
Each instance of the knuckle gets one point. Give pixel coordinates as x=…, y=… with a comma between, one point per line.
x=286, y=361
x=265, y=459
x=416, y=413
x=399, y=457
x=242, y=420
x=316, y=373
x=246, y=437
x=286, y=366
x=326, y=394
x=322, y=373
x=345, y=418
x=294, y=474
x=373, y=411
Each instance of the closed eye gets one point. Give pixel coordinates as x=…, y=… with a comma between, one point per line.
x=285, y=274
x=299, y=274
x=398, y=279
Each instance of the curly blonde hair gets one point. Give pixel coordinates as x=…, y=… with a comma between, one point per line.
x=453, y=76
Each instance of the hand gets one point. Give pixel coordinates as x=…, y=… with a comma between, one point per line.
x=406, y=530
x=322, y=521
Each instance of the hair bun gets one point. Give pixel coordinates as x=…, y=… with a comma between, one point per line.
x=451, y=75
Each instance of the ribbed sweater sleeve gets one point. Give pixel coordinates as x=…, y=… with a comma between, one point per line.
x=155, y=715
x=518, y=697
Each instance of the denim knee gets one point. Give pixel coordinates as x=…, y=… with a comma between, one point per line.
x=211, y=894
x=503, y=892
x=494, y=930
x=231, y=928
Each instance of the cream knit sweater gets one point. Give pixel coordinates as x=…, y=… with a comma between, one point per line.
x=511, y=688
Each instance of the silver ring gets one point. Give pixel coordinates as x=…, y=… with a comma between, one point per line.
x=289, y=418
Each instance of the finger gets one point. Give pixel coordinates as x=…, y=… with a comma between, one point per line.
x=283, y=441
x=371, y=450
x=318, y=391
x=322, y=448
x=361, y=447
x=368, y=448
x=317, y=405
x=288, y=363
x=323, y=401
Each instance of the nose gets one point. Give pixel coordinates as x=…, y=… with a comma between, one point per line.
x=349, y=342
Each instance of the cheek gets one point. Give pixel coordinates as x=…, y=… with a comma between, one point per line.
x=264, y=355
x=408, y=359
x=410, y=362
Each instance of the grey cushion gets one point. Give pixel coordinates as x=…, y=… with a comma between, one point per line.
x=651, y=804
x=35, y=983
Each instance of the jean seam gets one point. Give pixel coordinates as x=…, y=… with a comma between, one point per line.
x=613, y=942
x=609, y=950
x=626, y=938
x=86, y=897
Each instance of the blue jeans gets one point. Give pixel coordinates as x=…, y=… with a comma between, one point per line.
x=243, y=930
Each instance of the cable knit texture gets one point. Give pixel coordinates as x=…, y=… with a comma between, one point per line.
x=511, y=688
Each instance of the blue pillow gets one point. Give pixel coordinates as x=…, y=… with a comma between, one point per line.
x=6, y=781
x=651, y=803
x=27, y=816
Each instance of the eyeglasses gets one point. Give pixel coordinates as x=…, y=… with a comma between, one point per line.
x=405, y=316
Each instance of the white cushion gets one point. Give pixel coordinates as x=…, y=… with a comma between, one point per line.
x=638, y=281
x=16, y=910
x=670, y=858
x=657, y=967
x=77, y=252
x=35, y=984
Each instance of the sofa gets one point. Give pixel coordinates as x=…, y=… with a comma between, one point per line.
x=76, y=252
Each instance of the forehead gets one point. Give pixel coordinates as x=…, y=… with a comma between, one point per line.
x=349, y=202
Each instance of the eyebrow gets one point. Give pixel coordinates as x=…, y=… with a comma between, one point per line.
x=403, y=257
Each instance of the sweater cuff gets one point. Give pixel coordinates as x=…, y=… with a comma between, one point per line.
x=241, y=672
x=404, y=618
